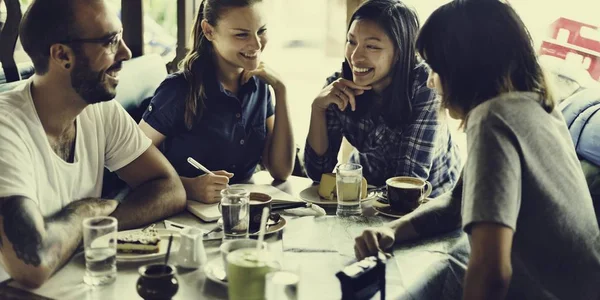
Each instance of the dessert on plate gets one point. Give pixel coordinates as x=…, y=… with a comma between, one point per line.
x=140, y=242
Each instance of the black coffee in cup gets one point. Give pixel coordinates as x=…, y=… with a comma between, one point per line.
x=406, y=193
x=258, y=201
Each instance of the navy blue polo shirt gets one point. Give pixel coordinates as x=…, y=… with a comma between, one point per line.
x=229, y=136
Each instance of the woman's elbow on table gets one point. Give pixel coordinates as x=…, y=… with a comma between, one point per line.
x=280, y=175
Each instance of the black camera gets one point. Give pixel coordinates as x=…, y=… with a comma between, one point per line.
x=363, y=279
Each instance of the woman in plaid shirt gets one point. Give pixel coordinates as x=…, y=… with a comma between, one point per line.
x=381, y=104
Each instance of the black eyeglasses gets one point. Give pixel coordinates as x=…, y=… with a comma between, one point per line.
x=111, y=42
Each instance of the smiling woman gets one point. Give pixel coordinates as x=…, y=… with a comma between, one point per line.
x=380, y=103
x=218, y=108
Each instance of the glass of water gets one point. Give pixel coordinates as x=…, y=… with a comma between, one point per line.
x=100, y=242
x=235, y=213
x=348, y=179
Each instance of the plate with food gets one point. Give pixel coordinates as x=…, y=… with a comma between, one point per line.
x=325, y=192
x=145, y=244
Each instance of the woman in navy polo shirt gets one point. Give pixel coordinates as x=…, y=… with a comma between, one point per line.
x=218, y=109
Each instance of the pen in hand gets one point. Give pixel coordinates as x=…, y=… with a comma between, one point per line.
x=199, y=166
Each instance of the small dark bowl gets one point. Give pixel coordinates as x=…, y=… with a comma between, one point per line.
x=157, y=281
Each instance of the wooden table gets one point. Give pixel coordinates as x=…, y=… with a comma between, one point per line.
x=315, y=247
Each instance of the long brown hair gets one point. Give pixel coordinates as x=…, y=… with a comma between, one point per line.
x=199, y=63
x=481, y=49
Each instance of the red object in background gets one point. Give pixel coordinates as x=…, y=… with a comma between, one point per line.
x=568, y=43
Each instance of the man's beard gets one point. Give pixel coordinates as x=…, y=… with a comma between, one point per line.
x=89, y=84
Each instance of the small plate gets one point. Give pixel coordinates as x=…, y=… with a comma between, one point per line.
x=274, y=228
x=215, y=271
x=271, y=229
x=163, y=245
x=311, y=195
x=387, y=210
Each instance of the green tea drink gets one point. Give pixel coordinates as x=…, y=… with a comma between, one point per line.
x=246, y=273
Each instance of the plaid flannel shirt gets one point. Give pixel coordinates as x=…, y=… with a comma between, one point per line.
x=423, y=148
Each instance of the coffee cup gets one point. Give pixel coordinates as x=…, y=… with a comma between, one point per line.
x=258, y=201
x=405, y=193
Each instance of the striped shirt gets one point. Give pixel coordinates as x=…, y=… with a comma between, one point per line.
x=421, y=148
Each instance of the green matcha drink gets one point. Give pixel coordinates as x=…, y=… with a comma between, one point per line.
x=246, y=273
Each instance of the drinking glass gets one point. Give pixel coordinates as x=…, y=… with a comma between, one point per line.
x=281, y=285
x=348, y=179
x=100, y=246
x=234, y=210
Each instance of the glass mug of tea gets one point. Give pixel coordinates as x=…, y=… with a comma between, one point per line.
x=405, y=193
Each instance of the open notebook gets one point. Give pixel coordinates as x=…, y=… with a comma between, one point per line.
x=211, y=213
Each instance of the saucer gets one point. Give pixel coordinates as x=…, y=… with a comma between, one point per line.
x=273, y=228
x=215, y=271
x=387, y=210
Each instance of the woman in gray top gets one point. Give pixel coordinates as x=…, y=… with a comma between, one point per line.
x=525, y=202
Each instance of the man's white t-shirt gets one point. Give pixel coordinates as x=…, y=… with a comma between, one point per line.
x=106, y=137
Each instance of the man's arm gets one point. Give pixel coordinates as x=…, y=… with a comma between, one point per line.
x=156, y=193
x=32, y=247
x=490, y=270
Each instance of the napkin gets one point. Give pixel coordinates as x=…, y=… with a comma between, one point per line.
x=310, y=210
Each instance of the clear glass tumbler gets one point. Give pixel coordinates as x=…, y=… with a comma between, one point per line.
x=348, y=179
x=235, y=213
x=281, y=285
x=100, y=245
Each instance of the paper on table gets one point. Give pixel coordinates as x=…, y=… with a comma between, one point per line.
x=326, y=234
x=211, y=213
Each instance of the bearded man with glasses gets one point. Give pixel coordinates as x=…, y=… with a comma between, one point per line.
x=57, y=133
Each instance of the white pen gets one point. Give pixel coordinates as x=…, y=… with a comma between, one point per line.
x=199, y=166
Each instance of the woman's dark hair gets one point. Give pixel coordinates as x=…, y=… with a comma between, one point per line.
x=198, y=63
x=401, y=25
x=480, y=49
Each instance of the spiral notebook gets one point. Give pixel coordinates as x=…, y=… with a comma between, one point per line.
x=211, y=213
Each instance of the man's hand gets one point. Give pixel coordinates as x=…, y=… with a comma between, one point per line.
x=373, y=241
x=207, y=188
